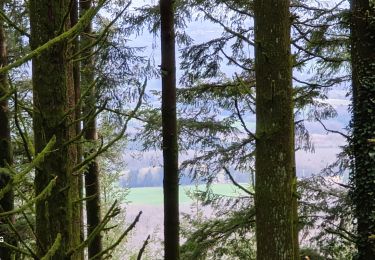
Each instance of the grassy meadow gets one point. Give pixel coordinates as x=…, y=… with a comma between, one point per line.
x=154, y=195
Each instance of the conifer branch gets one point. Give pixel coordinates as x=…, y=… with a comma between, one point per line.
x=12, y=24
x=43, y=195
x=31, y=228
x=20, y=238
x=123, y=235
x=88, y=159
x=145, y=243
x=79, y=102
x=332, y=131
x=15, y=249
x=236, y=183
x=23, y=137
x=76, y=29
x=231, y=59
x=55, y=246
x=110, y=214
x=227, y=29
x=243, y=121
x=18, y=177
x=100, y=37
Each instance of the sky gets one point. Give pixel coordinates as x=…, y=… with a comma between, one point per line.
x=148, y=166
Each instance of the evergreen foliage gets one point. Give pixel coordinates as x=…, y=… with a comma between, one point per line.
x=81, y=123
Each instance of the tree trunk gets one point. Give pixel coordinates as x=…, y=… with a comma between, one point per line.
x=92, y=175
x=363, y=84
x=77, y=96
x=7, y=202
x=53, y=99
x=169, y=122
x=275, y=197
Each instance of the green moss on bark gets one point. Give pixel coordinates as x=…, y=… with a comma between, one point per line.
x=53, y=96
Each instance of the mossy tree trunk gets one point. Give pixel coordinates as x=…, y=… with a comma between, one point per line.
x=363, y=85
x=53, y=100
x=169, y=123
x=275, y=163
x=7, y=202
x=92, y=187
x=74, y=13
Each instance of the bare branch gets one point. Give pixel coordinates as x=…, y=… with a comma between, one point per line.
x=23, y=137
x=132, y=225
x=227, y=29
x=332, y=131
x=236, y=183
x=145, y=243
x=242, y=121
x=92, y=156
x=4, y=17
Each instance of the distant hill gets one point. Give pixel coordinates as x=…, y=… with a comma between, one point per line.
x=153, y=177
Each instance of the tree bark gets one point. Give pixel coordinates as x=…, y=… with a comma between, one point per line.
x=363, y=85
x=169, y=123
x=74, y=14
x=92, y=187
x=275, y=189
x=53, y=100
x=6, y=158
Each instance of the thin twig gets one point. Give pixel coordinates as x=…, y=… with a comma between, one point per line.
x=102, y=36
x=20, y=238
x=145, y=243
x=111, y=212
x=32, y=229
x=332, y=131
x=132, y=225
x=77, y=28
x=12, y=24
x=240, y=35
x=14, y=248
x=118, y=137
x=236, y=183
x=16, y=122
x=242, y=121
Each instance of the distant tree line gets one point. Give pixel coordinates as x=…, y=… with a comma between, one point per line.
x=68, y=74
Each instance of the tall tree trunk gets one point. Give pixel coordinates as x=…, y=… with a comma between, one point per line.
x=363, y=84
x=53, y=99
x=7, y=202
x=74, y=13
x=92, y=175
x=169, y=122
x=275, y=164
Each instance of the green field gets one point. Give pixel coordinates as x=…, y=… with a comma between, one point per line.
x=154, y=195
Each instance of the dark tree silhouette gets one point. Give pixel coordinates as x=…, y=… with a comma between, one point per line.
x=169, y=123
